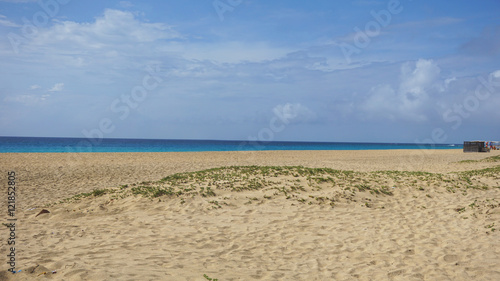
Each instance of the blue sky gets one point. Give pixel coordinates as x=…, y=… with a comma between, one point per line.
x=359, y=71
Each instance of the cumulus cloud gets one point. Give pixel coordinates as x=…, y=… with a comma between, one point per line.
x=57, y=87
x=381, y=102
x=113, y=27
x=406, y=101
x=422, y=95
x=294, y=113
x=415, y=82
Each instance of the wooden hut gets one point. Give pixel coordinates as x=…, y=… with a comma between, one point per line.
x=475, y=146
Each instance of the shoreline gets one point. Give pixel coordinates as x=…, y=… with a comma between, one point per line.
x=242, y=151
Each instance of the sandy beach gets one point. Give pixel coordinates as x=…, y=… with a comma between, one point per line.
x=299, y=215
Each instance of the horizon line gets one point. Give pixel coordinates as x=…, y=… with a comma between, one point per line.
x=233, y=140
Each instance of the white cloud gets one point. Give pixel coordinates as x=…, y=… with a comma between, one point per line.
x=232, y=52
x=57, y=87
x=294, y=113
x=115, y=27
x=382, y=101
x=24, y=99
x=415, y=82
x=35, y=87
x=128, y=42
x=126, y=4
x=119, y=39
x=408, y=100
x=5, y=22
x=448, y=81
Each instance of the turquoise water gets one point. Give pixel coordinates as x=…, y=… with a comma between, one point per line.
x=31, y=144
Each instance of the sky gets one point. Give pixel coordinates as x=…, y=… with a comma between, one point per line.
x=409, y=71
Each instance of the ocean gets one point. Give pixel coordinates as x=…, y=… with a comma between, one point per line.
x=61, y=145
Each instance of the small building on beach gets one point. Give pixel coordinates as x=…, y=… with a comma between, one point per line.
x=476, y=146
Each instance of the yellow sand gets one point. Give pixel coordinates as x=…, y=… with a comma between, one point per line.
x=425, y=230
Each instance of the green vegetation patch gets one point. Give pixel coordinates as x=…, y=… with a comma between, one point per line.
x=495, y=158
x=292, y=182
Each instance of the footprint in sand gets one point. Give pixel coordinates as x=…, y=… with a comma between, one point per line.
x=395, y=273
x=450, y=258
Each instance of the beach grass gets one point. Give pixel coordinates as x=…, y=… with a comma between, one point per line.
x=495, y=158
x=298, y=183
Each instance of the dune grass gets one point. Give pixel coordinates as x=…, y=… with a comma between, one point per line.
x=297, y=183
x=495, y=158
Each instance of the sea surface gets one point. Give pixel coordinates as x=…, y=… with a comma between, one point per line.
x=42, y=145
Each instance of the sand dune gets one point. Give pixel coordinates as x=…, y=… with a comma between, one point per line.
x=259, y=223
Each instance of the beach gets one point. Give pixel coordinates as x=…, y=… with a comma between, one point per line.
x=294, y=215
